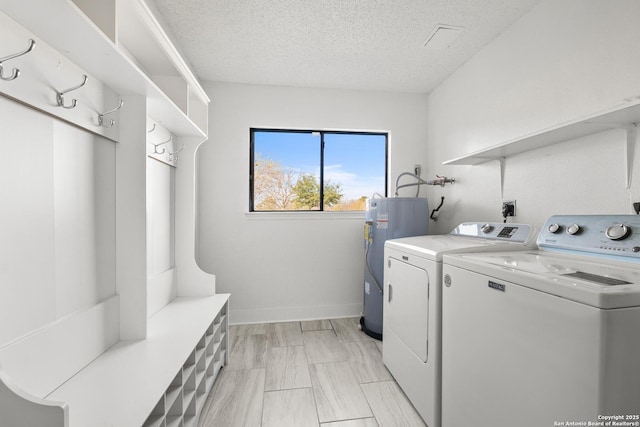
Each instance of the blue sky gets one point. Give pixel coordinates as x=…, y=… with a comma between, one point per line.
x=353, y=160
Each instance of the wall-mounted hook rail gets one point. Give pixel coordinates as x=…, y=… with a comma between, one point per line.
x=155, y=146
x=16, y=72
x=60, y=95
x=152, y=129
x=113, y=122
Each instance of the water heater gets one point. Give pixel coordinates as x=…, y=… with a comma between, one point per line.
x=386, y=218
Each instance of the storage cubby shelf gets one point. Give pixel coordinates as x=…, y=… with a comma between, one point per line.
x=152, y=381
x=196, y=377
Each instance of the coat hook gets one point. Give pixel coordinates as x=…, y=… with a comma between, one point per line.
x=173, y=157
x=16, y=72
x=152, y=129
x=60, y=97
x=155, y=146
x=177, y=151
x=113, y=122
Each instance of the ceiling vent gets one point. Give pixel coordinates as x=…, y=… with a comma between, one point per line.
x=442, y=36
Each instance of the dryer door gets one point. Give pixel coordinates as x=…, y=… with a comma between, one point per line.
x=407, y=308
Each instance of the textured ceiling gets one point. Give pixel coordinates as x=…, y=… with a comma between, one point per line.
x=349, y=44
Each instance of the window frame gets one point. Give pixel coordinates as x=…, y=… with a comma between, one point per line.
x=322, y=133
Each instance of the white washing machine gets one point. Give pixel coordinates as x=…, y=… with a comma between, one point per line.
x=548, y=336
x=412, y=304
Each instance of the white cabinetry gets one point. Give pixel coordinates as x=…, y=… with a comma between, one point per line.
x=124, y=359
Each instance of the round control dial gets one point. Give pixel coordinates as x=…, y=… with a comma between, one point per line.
x=554, y=228
x=487, y=228
x=573, y=229
x=618, y=232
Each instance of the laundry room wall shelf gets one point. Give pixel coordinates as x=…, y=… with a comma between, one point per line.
x=624, y=116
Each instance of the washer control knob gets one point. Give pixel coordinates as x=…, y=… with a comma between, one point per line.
x=573, y=229
x=487, y=228
x=554, y=228
x=618, y=232
x=447, y=280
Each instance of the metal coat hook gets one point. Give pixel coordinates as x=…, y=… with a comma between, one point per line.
x=155, y=146
x=60, y=95
x=173, y=157
x=16, y=72
x=113, y=122
x=177, y=151
x=152, y=129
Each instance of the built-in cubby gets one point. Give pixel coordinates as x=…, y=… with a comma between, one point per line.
x=121, y=44
x=185, y=397
x=153, y=338
x=141, y=39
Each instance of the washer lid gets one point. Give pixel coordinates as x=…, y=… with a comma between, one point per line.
x=589, y=280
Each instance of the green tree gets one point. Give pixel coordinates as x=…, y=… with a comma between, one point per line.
x=332, y=194
x=307, y=193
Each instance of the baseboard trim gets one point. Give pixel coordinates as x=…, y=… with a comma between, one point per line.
x=291, y=314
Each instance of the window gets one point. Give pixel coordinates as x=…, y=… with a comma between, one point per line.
x=293, y=170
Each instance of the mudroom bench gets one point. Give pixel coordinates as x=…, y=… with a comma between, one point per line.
x=66, y=376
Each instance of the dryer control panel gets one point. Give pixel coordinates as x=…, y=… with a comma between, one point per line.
x=610, y=235
x=495, y=231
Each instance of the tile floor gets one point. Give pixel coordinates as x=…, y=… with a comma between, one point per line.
x=324, y=373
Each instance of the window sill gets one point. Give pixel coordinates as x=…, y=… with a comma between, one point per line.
x=326, y=215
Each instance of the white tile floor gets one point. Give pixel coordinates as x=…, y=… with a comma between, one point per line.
x=324, y=373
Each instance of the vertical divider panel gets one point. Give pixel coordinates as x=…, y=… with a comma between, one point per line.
x=131, y=220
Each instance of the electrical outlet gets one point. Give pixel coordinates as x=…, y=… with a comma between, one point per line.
x=636, y=208
x=417, y=169
x=508, y=208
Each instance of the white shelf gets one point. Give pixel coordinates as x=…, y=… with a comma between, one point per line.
x=92, y=47
x=623, y=116
x=155, y=421
x=174, y=421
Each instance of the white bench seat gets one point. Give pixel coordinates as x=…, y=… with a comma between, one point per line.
x=134, y=382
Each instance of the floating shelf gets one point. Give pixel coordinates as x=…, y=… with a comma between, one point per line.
x=620, y=117
x=624, y=116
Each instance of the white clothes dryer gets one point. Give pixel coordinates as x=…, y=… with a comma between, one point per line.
x=412, y=305
x=546, y=337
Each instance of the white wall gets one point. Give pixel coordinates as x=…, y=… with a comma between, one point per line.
x=562, y=61
x=295, y=266
x=57, y=245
